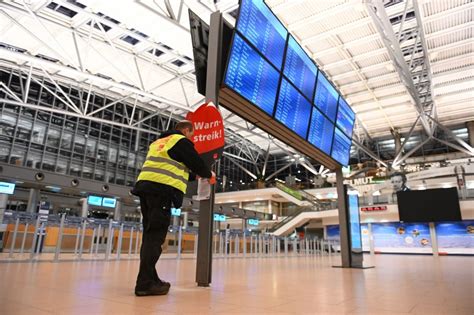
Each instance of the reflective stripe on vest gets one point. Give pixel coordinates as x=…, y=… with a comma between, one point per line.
x=159, y=167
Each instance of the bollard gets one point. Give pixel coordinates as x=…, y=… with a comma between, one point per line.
x=119, y=244
x=60, y=238
x=110, y=235
x=196, y=245
x=23, y=241
x=15, y=231
x=221, y=244
x=180, y=239
x=137, y=239
x=40, y=240
x=92, y=242
x=83, y=236
x=130, y=242
x=237, y=245
x=32, y=251
x=98, y=242
x=78, y=236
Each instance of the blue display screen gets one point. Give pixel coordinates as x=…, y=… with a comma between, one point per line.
x=219, y=217
x=253, y=221
x=321, y=131
x=7, y=188
x=326, y=97
x=109, y=202
x=258, y=24
x=345, y=117
x=250, y=75
x=293, y=110
x=299, y=68
x=94, y=200
x=176, y=211
x=354, y=222
x=341, y=147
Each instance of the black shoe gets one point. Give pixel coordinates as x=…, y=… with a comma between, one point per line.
x=164, y=283
x=154, y=290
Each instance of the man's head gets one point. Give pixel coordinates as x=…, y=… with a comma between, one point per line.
x=186, y=128
x=398, y=181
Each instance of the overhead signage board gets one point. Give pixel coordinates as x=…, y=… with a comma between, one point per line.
x=253, y=222
x=94, y=200
x=270, y=81
x=109, y=202
x=299, y=68
x=374, y=208
x=219, y=217
x=7, y=188
x=252, y=76
x=261, y=27
x=293, y=110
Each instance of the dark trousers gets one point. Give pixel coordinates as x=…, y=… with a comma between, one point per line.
x=156, y=219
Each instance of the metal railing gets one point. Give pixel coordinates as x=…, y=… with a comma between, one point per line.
x=35, y=237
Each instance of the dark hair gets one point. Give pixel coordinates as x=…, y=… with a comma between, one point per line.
x=184, y=124
x=403, y=176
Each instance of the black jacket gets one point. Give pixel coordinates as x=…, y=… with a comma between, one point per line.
x=183, y=151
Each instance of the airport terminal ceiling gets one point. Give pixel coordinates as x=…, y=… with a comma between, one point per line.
x=405, y=67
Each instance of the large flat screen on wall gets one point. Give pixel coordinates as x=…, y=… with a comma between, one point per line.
x=430, y=205
x=250, y=75
x=260, y=26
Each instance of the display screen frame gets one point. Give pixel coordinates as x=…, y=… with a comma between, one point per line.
x=282, y=75
x=253, y=222
x=340, y=126
x=218, y=217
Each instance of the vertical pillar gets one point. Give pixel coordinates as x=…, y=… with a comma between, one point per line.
x=85, y=207
x=270, y=210
x=206, y=207
x=185, y=219
x=3, y=205
x=343, y=219
x=33, y=200
x=371, y=239
x=434, y=240
x=117, y=211
x=470, y=131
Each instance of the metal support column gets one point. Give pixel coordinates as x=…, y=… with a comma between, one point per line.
x=343, y=219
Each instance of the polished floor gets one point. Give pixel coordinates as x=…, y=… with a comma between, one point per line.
x=294, y=285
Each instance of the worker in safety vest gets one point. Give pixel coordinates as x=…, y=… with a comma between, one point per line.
x=161, y=184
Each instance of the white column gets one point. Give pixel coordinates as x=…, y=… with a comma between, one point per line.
x=33, y=200
x=118, y=211
x=85, y=207
x=3, y=205
x=434, y=241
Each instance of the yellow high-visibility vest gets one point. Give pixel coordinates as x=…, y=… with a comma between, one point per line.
x=160, y=168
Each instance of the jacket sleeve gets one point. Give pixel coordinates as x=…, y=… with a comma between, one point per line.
x=183, y=151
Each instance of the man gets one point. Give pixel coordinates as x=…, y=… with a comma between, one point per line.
x=161, y=184
x=399, y=181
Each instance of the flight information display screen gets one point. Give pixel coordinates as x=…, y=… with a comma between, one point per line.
x=293, y=110
x=300, y=69
x=345, y=117
x=250, y=75
x=261, y=27
x=320, y=131
x=326, y=97
x=341, y=147
x=354, y=222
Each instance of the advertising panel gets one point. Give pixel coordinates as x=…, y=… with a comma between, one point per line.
x=455, y=237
